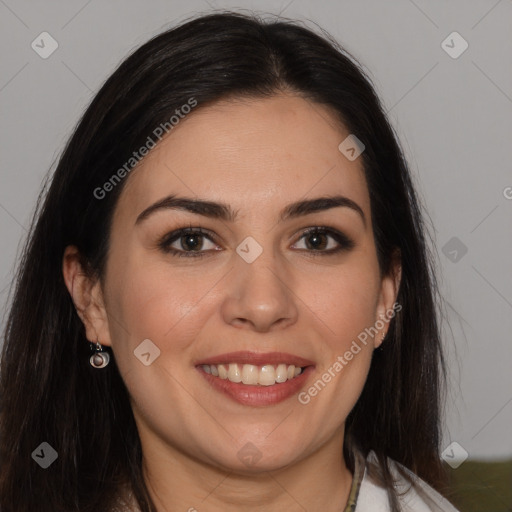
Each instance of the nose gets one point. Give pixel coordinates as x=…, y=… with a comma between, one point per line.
x=259, y=296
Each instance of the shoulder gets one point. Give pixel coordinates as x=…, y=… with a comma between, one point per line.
x=416, y=497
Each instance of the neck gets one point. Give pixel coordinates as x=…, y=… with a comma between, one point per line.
x=175, y=481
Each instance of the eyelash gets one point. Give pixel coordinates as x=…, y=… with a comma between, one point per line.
x=345, y=243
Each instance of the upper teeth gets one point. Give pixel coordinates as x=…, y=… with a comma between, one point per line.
x=266, y=375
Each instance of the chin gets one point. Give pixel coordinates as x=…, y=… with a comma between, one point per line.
x=249, y=459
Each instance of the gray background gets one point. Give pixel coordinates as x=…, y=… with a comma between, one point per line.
x=453, y=116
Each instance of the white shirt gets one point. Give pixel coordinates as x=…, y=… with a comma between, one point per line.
x=418, y=498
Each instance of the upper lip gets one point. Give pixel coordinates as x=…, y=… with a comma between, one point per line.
x=256, y=358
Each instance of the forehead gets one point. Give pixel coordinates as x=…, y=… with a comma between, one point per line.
x=251, y=153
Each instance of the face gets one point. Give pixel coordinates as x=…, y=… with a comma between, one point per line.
x=278, y=269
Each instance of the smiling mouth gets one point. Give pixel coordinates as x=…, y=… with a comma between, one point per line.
x=252, y=375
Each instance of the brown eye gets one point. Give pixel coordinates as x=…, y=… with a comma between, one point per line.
x=323, y=240
x=315, y=241
x=191, y=242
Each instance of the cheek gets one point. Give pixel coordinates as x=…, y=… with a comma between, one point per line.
x=342, y=303
x=155, y=302
x=343, y=300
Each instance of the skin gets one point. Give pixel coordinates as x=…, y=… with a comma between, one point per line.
x=257, y=156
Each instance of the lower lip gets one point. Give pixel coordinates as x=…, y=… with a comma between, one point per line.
x=258, y=395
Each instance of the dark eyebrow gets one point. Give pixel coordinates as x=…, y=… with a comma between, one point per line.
x=320, y=204
x=198, y=206
x=224, y=212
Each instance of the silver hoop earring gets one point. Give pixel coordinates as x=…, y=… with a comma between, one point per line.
x=100, y=358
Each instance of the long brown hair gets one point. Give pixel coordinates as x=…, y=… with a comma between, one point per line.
x=49, y=392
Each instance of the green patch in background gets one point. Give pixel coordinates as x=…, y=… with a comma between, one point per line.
x=482, y=486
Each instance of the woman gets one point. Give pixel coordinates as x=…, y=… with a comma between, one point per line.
x=226, y=301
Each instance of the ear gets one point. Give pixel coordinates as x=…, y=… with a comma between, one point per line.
x=387, y=306
x=87, y=296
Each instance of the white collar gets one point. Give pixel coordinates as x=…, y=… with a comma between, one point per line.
x=419, y=497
